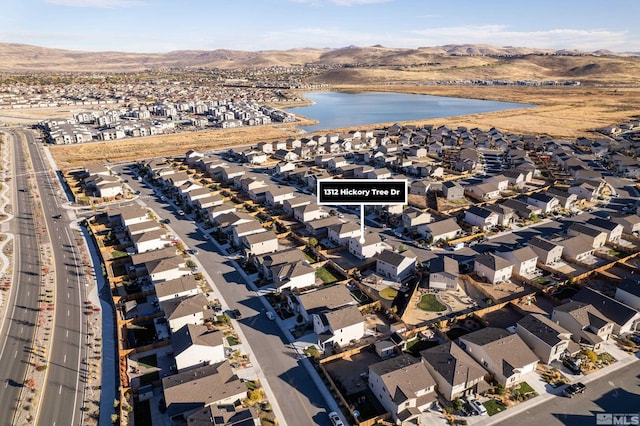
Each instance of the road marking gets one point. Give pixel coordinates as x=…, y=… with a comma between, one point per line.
x=15, y=355
x=64, y=360
x=68, y=295
x=68, y=313
x=60, y=390
x=67, y=333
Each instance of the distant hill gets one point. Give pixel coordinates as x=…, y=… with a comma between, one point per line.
x=350, y=64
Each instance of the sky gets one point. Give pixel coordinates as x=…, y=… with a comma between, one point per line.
x=159, y=26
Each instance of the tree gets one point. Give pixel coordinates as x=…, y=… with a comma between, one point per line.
x=313, y=242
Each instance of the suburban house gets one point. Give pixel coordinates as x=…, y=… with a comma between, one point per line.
x=443, y=230
x=179, y=287
x=625, y=318
x=214, y=212
x=628, y=292
x=549, y=253
x=319, y=228
x=524, y=260
x=293, y=275
x=456, y=373
x=612, y=229
x=521, y=208
x=483, y=191
x=139, y=228
x=166, y=269
x=545, y=202
x=195, y=345
x=339, y=234
x=226, y=222
x=494, y=269
x=547, y=339
x=395, y=266
x=260, y=243
x=403, y=386
x=578, y=248
x=323, y=299
x=505, y=214
x=181, y=311
x=585, y=323
x=309, y=212
x=565, y=199
x=443, y=273
x=371, y=246
x=277, y=194
x=129, y=215
x=413, y=220
x=244, y=229
x=187, y=392
x=630, y=224
x=300, y=200
x=452, y=190
x=586, y=190
x=503, y=354
x=480, y=217
x=151, y=240
x=265, y=262
x=338, y=327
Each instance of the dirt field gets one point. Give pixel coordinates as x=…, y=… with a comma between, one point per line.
x=560, y=112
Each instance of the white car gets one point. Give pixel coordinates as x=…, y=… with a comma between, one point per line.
x=335, y=419
x=271, y=315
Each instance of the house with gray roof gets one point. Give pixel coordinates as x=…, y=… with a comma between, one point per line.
x=443, y=273
x=578, y=248
x=338, y=327
x=630, y=224
x=549, y=253
x=628, y=292
x=442, y=230
x=396, y=266
x=545, y=202
x=371, y=246
x=403, y=386
x=456, y=373
x=625, y=318
x=151, y=240
x=504, y=354
x=265, y=262
x=524, y=260
x=166, y=269
x=180, y=311
x=195, y=345
x=293, y=275
x=612, y=229
x=260, y=243
x=452, y=190
x=340, y=234
x=224, y=415
x=565, y=199
x=210, y=385
x=494, y=269
x=586, y=324
x=505, y=214
x=323, y=299
x=546, y=339
x=480, y=217
x=179, y=287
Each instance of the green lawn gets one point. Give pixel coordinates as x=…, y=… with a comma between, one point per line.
x=232, y=340
x=541, y=280
x=326, y=276
x=312, y=352
x=429, y=303
x=415, y=346
x=493, y=407
x=525, y=388
x=388, y=293
x=117, y=254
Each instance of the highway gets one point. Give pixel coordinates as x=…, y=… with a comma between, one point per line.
x=18, y=326
x=64, y=389
x=298, y=397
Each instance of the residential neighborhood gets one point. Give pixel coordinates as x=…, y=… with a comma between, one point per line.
x=485, y=292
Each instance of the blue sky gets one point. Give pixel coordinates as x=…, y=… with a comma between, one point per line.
x=166, y=25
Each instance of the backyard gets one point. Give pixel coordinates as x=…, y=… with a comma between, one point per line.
x=430, y=303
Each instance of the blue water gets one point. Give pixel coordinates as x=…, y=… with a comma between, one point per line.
x=336, y=110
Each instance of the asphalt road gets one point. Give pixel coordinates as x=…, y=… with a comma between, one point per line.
x=64, y=388
x=298, y=397
x=618, y=392
x=18, y=327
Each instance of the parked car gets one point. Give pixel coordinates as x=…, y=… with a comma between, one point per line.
x=475, y=407
x=574, y=389
x=335, y=419
x=572, y=365
x=271, y=315
x=236, y=313
x=180, y=212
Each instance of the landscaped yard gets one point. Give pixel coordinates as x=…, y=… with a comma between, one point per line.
x=415, y=346
x=430, y=303
x=326, y=276
x=493, y=407
x=148, y=361
x=232, y=340
x=541, y=280
x=388, y=293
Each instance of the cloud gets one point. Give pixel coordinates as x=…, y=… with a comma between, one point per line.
x=101, y=4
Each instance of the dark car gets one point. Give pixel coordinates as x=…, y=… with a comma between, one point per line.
x=574, y=389
x=236, y=313
x=572, y=365
x=57, y=216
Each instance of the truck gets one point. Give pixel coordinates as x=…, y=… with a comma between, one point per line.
x=574, y=389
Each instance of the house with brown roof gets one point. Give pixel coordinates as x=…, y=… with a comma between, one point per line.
x=456, y=373
x=524, y=260
x=549, y=253
x=578, y=248
x=395, y=266
x=180, y=311
x=309, y=212
x=323, y=299
x=293, y=275
x=503, y=354
x=596, y=237
x=179, y=287
x=265, y=262
x=546, y=339
x=224, y=415
x=166, y=269
x=403, y=386
x=260, y=243
x=442, y=230
x=626, y=319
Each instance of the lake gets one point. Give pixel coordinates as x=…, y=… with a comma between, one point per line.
x=337, y=110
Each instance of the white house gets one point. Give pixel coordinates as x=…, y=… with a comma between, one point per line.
x=493, y=268
x=395, y=266
x=152, y=240
x=195, y=345
x=547, y=339
x=482, y=218
x=179, y=287
x=181, y=311
x=166, y=269
x=340, y=233
x=260, y=243
x=338, y=327
x=524, y=260
x=293, y=275
x=628, y=292
x=371, y=246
